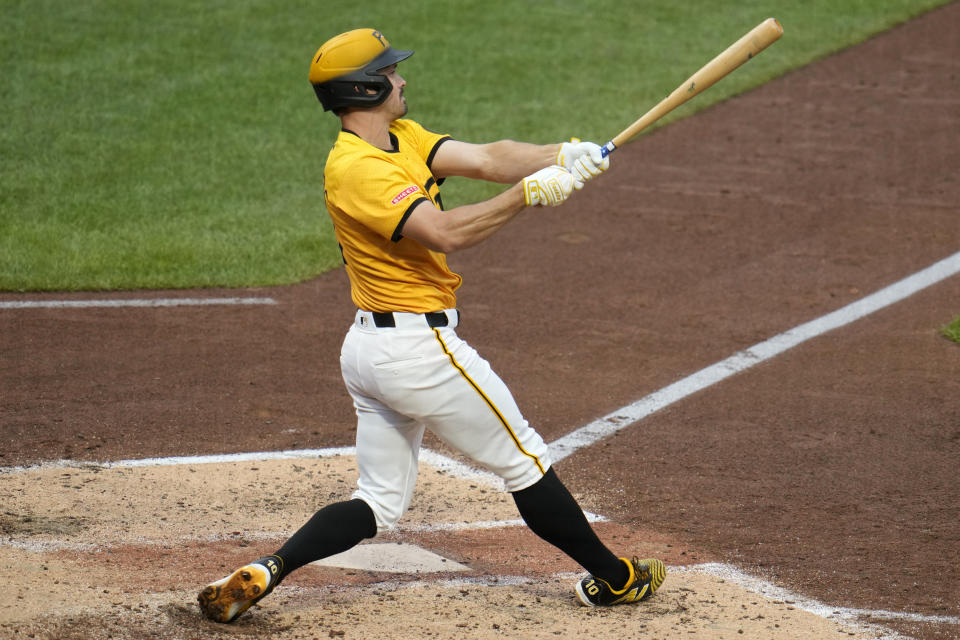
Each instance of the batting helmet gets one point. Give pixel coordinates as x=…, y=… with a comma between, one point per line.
x=344, y=71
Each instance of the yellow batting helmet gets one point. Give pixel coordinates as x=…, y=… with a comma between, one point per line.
x=345, y=70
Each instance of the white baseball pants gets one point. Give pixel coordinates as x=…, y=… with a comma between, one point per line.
x=411, y=377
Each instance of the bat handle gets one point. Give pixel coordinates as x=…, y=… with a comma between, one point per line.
x=608, y=148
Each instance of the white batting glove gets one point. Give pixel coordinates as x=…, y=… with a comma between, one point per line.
x=583, y=159
x=549, y=186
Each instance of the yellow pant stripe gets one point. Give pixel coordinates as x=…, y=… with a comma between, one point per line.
x=489, y=402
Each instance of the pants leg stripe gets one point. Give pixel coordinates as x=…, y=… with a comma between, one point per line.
x=489, y=402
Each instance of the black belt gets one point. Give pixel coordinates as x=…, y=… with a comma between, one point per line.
x=434, y=319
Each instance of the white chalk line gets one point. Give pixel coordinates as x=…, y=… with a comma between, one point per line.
x=779, y=594
x=621, y=418
x=741, y=361
x=255, y=456
x=132, y=302
x=437, y=460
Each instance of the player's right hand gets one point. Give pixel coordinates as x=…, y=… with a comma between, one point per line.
x=583, y=159
x=549, y=186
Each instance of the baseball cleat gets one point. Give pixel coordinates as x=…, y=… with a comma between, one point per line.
x=646, y=576
x=225, y=599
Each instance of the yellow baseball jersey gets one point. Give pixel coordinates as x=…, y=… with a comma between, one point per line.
x=370, y=193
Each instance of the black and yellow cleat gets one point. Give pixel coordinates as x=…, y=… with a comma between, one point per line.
x=225, y=599
x=646, y=576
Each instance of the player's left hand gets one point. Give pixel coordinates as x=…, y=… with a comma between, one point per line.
x=549, y=187
x=583, y=159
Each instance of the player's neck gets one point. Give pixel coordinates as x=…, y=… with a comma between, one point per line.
x=370, y=126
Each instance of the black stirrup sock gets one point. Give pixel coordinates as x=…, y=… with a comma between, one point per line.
x=553, y=514
x=333, y=529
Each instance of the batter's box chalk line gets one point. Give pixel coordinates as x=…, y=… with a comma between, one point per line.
x=775, y=593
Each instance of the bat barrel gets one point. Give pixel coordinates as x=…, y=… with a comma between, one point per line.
x=755, y=41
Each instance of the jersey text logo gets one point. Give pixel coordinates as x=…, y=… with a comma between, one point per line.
x=403, y=194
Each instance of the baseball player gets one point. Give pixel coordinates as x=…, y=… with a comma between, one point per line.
x=403, y=363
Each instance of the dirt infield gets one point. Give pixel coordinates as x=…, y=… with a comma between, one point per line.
x=828, y=472
x=89, y=537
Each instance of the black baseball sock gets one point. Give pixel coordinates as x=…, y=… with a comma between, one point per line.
x=333, y=529
x=554, y=515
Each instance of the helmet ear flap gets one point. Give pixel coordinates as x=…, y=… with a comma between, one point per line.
x=353, y=90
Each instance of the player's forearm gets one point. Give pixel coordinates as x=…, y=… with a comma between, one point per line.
x=464, y=226
x=471, y=224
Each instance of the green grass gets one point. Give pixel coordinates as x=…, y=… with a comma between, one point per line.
x=178, y=144
x=952, y=330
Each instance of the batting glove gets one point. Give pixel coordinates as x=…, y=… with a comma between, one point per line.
x=583, y=159
x=549, y=186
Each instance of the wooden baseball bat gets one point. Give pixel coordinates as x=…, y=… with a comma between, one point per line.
x=755, y=41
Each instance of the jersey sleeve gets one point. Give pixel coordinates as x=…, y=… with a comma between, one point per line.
x=427, y=141
x=378, y=194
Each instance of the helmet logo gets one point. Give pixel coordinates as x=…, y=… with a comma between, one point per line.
x=379, y=36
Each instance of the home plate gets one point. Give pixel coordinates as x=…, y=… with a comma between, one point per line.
x=393, y=558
